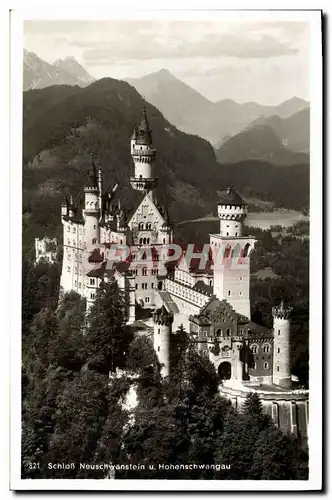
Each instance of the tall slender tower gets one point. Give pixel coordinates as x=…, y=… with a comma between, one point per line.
x=143, y=156
x=91, y=211
x=231, y=254
x=161, y=338
x=281, y=349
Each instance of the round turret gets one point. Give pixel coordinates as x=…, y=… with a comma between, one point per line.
x=232, y=211
x=281, y=348
x=64, y=207
x=161, y=338
x=143, y=155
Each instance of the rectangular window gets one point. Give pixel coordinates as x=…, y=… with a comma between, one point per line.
x=75, y=284
x=278, y=332
x=92, y=295
x=266, y=365
x=152, y=285
x=277, y=368
x=144, y=271
x=278, y=350
x=229, y=293
x=147, y=299
x=68, y=229
x=68, y=269
x=79, y=285
x=74, y=229
x=158, y=330
x=158, y=348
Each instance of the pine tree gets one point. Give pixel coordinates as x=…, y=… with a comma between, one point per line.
x=107, y=337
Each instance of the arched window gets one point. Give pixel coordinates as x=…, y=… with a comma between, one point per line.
x=218, y=332
x=140, y=241
x=236, y=251
x=144, y=241
x=164, y=240
x=246, y=250
x=266, y=348
x=227, y=252
x=94, y=241
x=148, y=241
x=266, y=366
x=144, y=271
x=140, y=226
x=228, y=332
x=254, y=348
x=254, y=366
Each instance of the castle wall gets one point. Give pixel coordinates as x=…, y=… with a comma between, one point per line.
x=72, y=276
x=288, y=409
x=281, y=361
x=190, y=301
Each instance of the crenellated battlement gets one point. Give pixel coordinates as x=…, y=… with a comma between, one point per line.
x=163, y=317
x=282, y=312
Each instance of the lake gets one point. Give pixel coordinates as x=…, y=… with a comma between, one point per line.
x=264, y=220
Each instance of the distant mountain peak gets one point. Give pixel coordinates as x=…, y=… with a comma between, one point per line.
x=38, y=73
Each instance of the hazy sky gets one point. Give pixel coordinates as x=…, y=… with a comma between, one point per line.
x=266, y=62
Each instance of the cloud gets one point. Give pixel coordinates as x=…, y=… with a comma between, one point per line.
x=146, y=46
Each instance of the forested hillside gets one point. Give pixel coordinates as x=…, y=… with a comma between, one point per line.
x=62, y=125
x=74, y=413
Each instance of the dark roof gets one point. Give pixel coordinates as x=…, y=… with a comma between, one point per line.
x=122, y=267
x=92, y=179
x=144, y=135
x=99, y=272
x=129, y=198
x=200, y=286
x=231, y=197
x=96, y=256
x=260, y=328
x=76, y=220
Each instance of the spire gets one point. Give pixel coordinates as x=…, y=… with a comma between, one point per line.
x=144, y=132
x=231, y=197
x=92, y=180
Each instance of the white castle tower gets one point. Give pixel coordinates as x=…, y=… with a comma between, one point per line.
x=231, y=254
x=281, y=351
x=161, y=338
x=143, y=156
x=92, y=210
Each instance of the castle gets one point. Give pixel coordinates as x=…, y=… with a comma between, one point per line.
x=206, y=291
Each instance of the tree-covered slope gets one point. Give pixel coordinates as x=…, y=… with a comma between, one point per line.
x=62, y=125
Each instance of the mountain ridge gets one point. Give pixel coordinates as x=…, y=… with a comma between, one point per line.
x=193, y=113
x=38, y=73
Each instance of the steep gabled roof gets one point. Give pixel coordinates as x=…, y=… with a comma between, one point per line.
x=231, y=197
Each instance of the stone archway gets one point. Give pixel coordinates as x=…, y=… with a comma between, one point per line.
x=225, y=370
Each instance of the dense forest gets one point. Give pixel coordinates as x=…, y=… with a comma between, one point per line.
x=74, y=413
x=62, y=125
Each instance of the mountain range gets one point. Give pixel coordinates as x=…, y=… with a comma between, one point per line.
x=63, y=124
x=193, y=113
x=38, y=74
